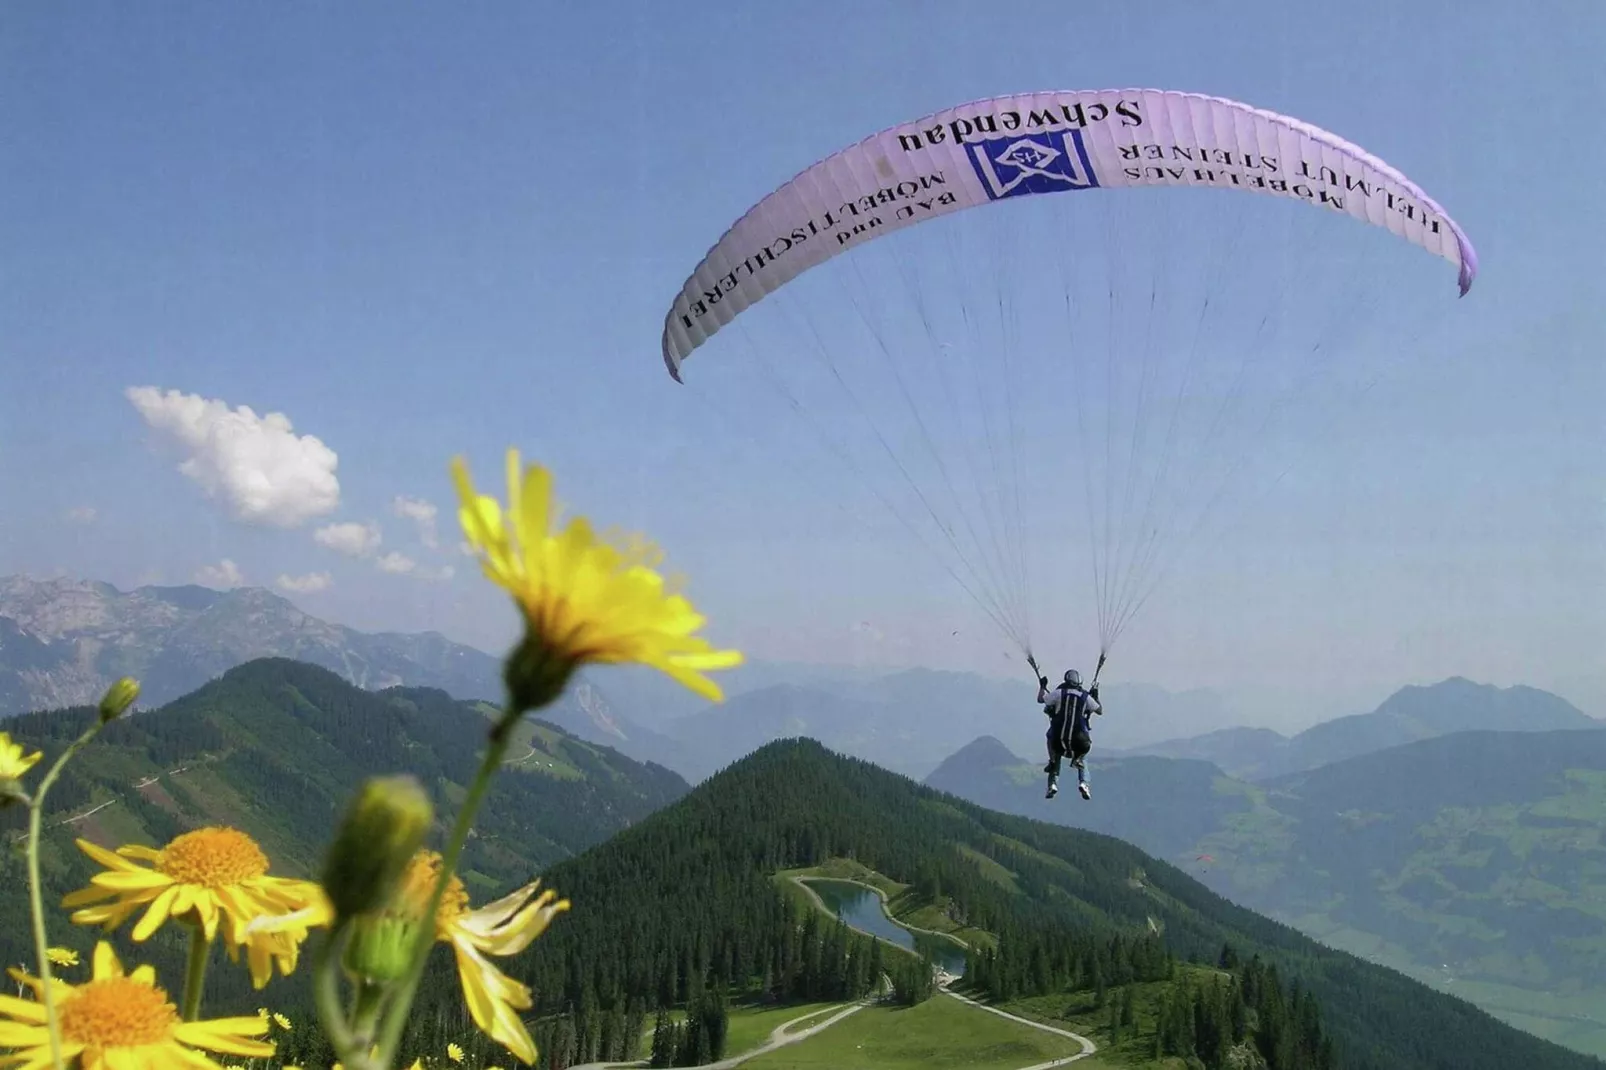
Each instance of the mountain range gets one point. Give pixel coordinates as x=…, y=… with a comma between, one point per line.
x=1410, y=714
x=1472, y=860
x=63, y=642
x=906, y=720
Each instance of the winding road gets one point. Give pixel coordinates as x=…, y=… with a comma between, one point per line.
x=1088, y=1047
x=782, y=1035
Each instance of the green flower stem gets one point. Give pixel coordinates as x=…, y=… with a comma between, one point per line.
x=326, y=992
x=36, y=902
x=396, y=1017
x=195, y=971
x=365, y=1012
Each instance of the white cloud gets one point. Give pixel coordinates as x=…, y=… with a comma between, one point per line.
x=399, y=564
x=422, y=513
x=311, y=582
x=224, y=574
x=81, y=514
x=256, y=465
x=396, y=562
x=351, y=538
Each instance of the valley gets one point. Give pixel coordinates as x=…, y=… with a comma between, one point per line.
x=1294, y=846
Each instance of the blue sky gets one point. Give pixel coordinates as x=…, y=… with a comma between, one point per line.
x=418, y=230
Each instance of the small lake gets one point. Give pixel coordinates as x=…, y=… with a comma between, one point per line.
x=861, y=908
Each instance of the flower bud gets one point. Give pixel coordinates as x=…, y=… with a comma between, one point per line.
x=118, y=697
x=381, y=947
x=535, y=674
x=384, y=825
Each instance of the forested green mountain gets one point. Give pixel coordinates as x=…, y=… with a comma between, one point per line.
x=685, y=902
x=276, y=747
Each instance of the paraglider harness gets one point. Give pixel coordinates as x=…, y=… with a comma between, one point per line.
x=1066, y=733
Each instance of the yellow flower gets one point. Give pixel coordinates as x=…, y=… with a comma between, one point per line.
x=12, y=762
x=62, y=956
x=454, y=1053
x=584, y=599
x=118, y=1022
x=284, y=1023
x=502, y=928
x=210, y=875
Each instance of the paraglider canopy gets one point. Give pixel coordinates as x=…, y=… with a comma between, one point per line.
x=1047, y=142
x=1145, y=405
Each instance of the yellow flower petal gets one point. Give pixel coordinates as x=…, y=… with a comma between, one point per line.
x=23, y=1010
x=486, y=990
x=106, y=962
x=109, y=859
x=155, y=915
x=12, y=762
x=227, y=1035
x=92, y=894
x=144, y=854
x=18, y=1035
x=131, y=880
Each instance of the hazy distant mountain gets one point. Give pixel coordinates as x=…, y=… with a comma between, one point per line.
x=656, y=702
x=1242, y=752
x=1410, y=714
x=1413, y=713
x=63, y=641
x=882, y=732
x=587, y=712
x=907, y=721
x=1474, y=861
x=1140, y=714
x=1162, y=805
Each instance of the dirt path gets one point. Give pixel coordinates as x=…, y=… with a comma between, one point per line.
x=18, y=837
x=779, y=1037
x=782, y=1035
